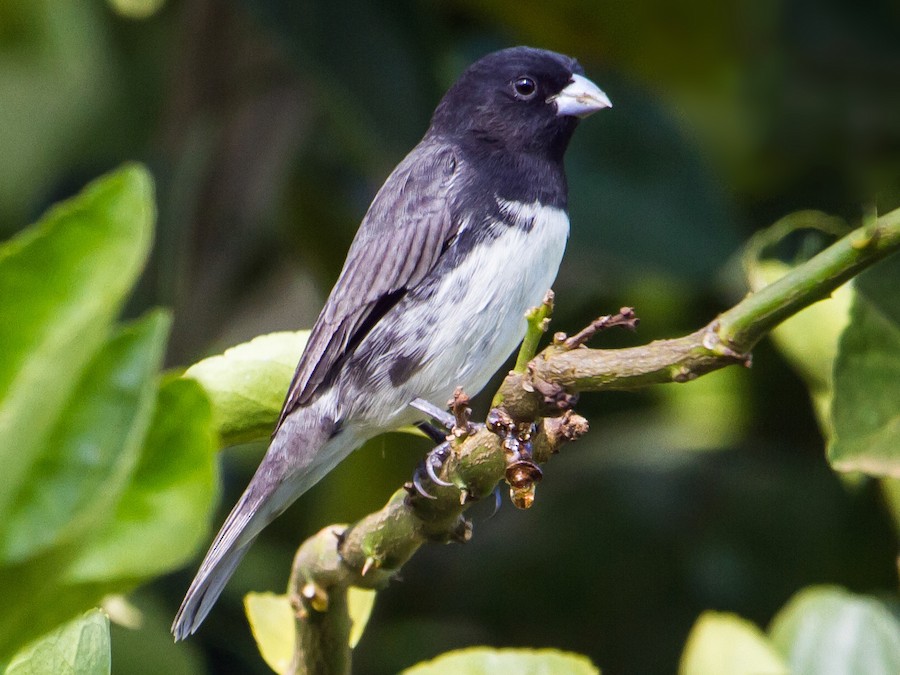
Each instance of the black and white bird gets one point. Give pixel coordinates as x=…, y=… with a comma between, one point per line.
x=465, y=235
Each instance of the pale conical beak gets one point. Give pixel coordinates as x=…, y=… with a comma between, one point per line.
x=580, y=98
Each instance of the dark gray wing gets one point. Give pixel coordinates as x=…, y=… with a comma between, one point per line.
x=397, y=245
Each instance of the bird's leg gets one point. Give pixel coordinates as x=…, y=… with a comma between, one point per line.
x=436, y=435
x=442, y=416
x=457, y=424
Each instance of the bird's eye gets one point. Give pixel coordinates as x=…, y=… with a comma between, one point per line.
x=525, y=87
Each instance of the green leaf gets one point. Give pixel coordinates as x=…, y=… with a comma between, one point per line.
x=61, y=282
x=247, y=384
x=162, y=516
x=726, y=643
x=87, y=469
x=89, y=457
x=826, y=630
x=272, y=623
x=809, y=339
x=80, y=647
x=865, y=412
x=487, y=661
x=360, y=602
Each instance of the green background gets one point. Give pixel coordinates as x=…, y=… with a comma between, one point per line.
x=269, y=125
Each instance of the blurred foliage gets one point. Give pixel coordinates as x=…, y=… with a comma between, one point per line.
x=109, y=474
x=79, y=646
x=269, y=125
x=484, y=661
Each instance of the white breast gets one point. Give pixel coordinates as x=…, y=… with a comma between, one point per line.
x=479, y=309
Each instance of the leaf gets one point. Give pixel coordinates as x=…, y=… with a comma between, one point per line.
x=360, y=602
x=161, y=518
x=272, y=623
x=726, y=643
x=79, y=647
x=809, y=339
x=88, y=459
x=826, y=630
x=247, y=384
x=97, y=451
x=865, y=412
x=61, y=282
x=487, y=661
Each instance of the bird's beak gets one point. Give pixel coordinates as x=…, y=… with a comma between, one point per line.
x=580, y=98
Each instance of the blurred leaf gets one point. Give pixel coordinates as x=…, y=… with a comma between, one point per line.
x=825, y=630
x=726, y=643
x=360, y=602
x=272, y=622
x=61, y=283
x=88, y=459
x=160, y=518
x=487, y=661
x=247, y=384
x=136, y=9
x=79, y=647
x=56, y=76
x=865, y=412
x=809, y=339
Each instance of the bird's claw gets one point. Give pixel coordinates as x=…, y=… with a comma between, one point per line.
x=434, y=460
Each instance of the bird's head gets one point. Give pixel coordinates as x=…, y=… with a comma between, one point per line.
x=520, y=100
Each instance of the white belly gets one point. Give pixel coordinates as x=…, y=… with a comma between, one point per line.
x=480, y=310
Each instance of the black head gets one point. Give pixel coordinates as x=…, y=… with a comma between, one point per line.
x=507, y=101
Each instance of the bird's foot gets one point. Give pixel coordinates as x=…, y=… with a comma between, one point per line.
x=431, y=467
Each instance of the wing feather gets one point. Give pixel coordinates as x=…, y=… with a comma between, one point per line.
x=397, y=245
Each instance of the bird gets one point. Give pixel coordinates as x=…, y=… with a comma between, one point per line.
x=466, y=234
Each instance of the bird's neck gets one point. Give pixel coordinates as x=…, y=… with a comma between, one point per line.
x=521, y=176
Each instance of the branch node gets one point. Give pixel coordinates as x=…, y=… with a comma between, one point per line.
x=570, y=427
x=315, y=596
x=555, y=397
x=462, y=413
x=462, y=533
x=719, y=346
x=368, y=565
x=626, y=318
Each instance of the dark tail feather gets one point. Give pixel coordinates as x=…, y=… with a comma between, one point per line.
x=295, y=462
x=237, y=534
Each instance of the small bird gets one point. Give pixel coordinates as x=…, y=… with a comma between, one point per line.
x=466, y=234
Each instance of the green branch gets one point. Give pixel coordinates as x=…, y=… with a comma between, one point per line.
x=371, y=551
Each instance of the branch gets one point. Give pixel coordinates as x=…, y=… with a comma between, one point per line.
x=531, y=420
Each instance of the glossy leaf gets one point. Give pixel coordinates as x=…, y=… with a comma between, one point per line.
x=161, y=517
x=79, y=647
x=247, y=384
x=61, y=282
x=487, y=661
x=865, y=411
x=90, y=455
x=95, y=453
x=726, y=643
x=827, y=631
x=272, y=623
x=360, y=602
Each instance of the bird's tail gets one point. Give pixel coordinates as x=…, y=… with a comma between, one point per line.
x=296, y=460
